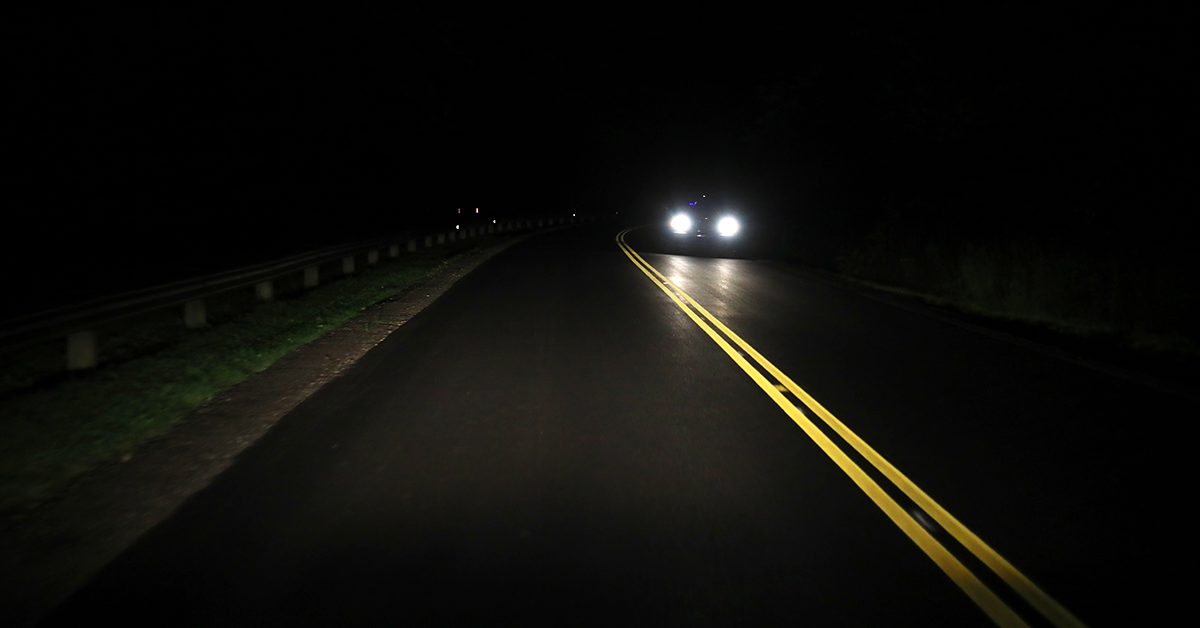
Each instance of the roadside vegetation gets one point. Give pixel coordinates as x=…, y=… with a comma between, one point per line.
x=1119, y=297
x=55, y=425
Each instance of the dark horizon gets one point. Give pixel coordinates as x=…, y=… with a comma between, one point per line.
x=283, y=130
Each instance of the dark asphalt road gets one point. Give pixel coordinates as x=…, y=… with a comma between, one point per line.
x=555, y=442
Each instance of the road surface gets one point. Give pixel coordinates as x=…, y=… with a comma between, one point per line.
x=563, y=439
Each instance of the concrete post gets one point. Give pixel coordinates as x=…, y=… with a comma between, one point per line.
x=412, y=246
x=348, y=264
x=471, y=232
x=265, y=291
x=373, y=257
x=394, y=250
x=195, y=314
x=311, y=277
x=428, y=241
x=82, y=353
x=441, y=238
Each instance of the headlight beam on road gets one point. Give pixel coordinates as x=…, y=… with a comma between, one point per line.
x=984, y=597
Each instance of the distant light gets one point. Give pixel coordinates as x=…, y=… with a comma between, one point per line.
x=572, y=215
x=460, y=210
x=493, y=221
x=455, y=226
x=691, y=203
x=476, y=210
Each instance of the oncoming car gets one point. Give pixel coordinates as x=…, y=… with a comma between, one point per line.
x=701, y=219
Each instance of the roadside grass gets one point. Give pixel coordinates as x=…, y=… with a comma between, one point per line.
x=1101, y=298
x=55, y=425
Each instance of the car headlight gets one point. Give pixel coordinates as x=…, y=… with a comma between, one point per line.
x=681, y=223
x=728, y=226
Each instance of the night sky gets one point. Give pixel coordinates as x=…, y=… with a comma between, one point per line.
x=205, y=137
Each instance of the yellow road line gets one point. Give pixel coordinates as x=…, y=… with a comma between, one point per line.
x=1030, y=592
x=992, y=605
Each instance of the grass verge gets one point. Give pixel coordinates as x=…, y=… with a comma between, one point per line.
x=55, y=425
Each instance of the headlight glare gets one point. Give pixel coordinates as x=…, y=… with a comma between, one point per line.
x=681, y=223
x=728, y=226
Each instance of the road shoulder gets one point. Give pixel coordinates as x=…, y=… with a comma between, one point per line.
x=51, y=551
x=1161, y=373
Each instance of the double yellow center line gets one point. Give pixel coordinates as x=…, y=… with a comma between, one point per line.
x=987, y=600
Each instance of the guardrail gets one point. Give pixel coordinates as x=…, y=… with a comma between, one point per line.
x=77, y=322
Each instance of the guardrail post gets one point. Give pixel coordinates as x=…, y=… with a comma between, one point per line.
x=373, y=256
x=471, y=232
x=348, y=264
x=412, y=246
x=394, y=250
x=82, y=353
x=428, y=241
x=195, y=314
x=311, y=277
x=491, y=228
x=441, y=238
x=265, y=290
